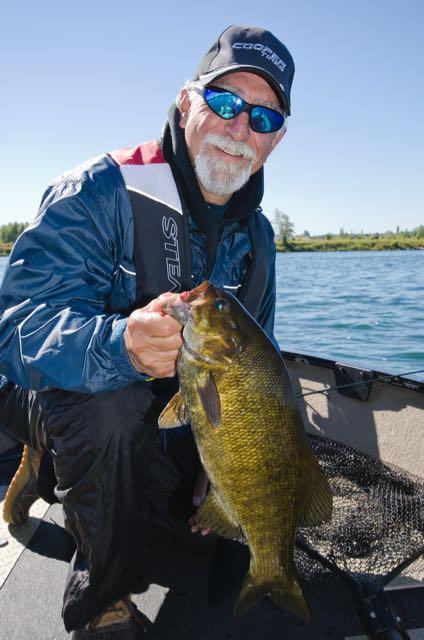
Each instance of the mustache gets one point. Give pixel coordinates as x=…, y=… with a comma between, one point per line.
x=227, y=144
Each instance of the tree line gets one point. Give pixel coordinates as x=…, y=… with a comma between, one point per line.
x=284, y=230
x=9, y=232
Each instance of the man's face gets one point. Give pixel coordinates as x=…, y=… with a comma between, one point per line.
x=225, y=153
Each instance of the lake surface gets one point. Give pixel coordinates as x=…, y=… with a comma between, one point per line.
x=364, y=308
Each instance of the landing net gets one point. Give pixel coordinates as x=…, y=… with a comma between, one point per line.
x=378, y=515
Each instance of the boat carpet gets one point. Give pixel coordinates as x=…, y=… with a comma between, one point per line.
x=190, y=595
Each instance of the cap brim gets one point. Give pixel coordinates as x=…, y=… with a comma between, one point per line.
x=206, y=78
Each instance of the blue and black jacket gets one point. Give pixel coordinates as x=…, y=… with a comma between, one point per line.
x=112, y=235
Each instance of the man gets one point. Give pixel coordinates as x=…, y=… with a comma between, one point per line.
x=82, y=331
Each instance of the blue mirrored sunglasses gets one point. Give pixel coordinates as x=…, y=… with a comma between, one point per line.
x=228, y=105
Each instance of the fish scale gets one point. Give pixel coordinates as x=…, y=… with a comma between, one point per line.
x=250, y=444
x=264, y=479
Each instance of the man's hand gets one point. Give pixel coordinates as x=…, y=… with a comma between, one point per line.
x=200, y=490
x=201, y=487
x=153, y=339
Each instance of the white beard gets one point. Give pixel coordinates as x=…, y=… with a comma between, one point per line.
x=218, y=176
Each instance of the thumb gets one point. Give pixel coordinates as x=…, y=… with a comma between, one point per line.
x=156, y=304
x=200, y=488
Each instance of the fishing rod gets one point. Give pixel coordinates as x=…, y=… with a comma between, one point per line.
x=384, y=378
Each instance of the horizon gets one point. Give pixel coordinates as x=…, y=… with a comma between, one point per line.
x=79, y=83
x=296, y=233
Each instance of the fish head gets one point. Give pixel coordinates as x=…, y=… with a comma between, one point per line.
x=208, y=313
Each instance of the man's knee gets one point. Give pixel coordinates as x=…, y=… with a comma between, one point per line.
x=127, y=414
x=20, y=414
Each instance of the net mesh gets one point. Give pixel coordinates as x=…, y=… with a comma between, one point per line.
x=378, y=515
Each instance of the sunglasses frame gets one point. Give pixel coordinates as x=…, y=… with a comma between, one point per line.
x=246, y=106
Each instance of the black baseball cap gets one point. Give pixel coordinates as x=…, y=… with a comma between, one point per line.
x=250, y=49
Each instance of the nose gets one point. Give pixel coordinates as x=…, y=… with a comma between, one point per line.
x=238, y=127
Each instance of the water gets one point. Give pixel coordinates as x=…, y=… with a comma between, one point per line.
x=364, y=308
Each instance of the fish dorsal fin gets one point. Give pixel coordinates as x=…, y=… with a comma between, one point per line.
x=315, y=500
x=210, y=399
x=175, y=413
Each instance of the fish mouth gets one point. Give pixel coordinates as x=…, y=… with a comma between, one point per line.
x=199, y=292
x=210, y=343
x=179, y=307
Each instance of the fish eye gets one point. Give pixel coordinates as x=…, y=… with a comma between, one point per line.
x=221, y=305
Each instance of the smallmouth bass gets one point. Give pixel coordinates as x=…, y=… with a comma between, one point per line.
x=264, y=479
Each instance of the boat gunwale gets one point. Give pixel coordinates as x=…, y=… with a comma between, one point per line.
x=376, y=376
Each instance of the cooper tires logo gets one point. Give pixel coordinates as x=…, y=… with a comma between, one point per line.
x=266, y=52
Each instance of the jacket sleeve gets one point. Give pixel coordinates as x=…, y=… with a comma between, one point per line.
x=54, y=331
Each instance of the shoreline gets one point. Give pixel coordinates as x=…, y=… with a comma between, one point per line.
x=346, y=249
x=5, y=249
x=337, y=244
x=296, y=246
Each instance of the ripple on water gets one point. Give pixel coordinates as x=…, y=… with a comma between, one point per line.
x=366, y=308
x=362, y=307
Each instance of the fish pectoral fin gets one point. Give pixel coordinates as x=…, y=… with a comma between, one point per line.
x=210, y=399
x=213, y=515
x=283, y=593
x=175, y=413
x=315, y=499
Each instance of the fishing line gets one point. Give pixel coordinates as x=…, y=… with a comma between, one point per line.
x=385, y=378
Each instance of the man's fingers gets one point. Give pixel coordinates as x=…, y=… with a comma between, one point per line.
x=167, y=343
x=194, y=528
x=157, y=358
x=200, y=488
x=153, y=323
x=156, y=304
x=168, y=295
x=153, y=339
x=156, y=348
x=154, y=368
x=204, y=532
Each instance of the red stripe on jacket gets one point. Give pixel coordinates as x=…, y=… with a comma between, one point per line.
x=146, y=153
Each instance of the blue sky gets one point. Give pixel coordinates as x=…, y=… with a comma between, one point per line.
x=81, y=78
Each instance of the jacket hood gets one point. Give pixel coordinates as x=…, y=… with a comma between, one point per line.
x=242, y=203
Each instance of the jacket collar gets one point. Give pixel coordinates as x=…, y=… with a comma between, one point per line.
x=242, y=203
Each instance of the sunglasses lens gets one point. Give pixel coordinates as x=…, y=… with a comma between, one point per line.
x=264, y=120
x=226, y=105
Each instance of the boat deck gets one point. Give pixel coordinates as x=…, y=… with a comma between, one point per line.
x=188, y=595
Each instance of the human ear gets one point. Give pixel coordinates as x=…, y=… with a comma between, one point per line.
x=184, y=106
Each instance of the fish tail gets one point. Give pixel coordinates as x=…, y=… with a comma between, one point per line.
x=291, y=597
x=283, y=593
